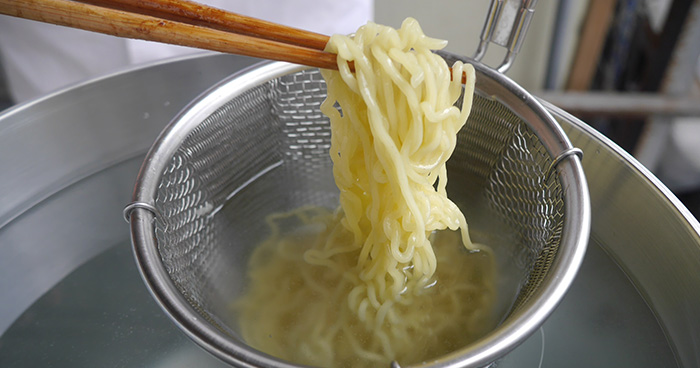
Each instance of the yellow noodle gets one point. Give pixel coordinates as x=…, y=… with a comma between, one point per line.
x=361, y=286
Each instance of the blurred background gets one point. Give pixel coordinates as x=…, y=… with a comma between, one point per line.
x=629, y=68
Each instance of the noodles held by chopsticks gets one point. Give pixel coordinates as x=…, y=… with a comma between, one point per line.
x=364, y=285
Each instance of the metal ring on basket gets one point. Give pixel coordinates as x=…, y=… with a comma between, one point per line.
x=129, y=208
x=571, y=152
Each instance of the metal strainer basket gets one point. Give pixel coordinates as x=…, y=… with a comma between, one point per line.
x=257, y=143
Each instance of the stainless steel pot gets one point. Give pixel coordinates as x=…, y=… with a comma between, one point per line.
x=68, y=162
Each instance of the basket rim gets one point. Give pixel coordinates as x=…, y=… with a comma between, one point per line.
x=504, y=338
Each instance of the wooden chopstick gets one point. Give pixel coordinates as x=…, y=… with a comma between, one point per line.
x=139, y=26
x=183, y=23
x=200, y=14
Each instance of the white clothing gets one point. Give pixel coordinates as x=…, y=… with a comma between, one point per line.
x=39, y=58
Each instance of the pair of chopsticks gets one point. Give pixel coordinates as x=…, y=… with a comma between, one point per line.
x=181, y=22
x=184, y=23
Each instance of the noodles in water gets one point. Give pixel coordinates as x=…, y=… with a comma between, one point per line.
x=392, y=273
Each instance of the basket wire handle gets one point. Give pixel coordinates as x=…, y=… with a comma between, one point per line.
x=506, y=24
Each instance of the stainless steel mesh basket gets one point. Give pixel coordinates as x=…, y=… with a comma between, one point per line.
x=257, y=143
